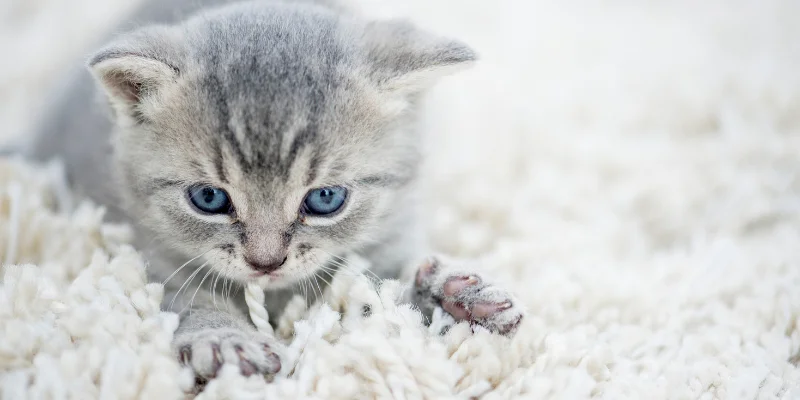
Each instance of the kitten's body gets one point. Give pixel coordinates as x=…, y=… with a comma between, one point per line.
x=266, y=100
x=79, y=132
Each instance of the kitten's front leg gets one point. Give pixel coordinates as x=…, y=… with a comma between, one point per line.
x=209, y=337
x=466, y=295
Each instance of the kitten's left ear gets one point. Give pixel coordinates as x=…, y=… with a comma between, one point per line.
x=405, y=59
x=136, y=68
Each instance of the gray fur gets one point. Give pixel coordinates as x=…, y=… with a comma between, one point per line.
x=267, y=100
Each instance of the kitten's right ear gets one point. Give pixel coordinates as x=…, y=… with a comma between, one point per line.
x=405, y=59
x=133, y=70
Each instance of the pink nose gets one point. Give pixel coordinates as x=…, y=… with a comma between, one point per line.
x=266, y=266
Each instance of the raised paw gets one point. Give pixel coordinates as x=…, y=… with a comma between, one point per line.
x=466, y=296
x=207, y=350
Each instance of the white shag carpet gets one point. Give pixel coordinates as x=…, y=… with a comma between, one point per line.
x=630, y=168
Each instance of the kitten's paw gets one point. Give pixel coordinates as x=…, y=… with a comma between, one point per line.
x=207, y=350
x=467, y=297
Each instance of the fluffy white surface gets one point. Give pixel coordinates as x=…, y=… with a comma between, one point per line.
x=629, y=168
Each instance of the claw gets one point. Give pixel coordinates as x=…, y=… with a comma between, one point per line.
x=217, y=359
x=185, y=355
x=459, y=283
x=483, y=310
x=245, y=366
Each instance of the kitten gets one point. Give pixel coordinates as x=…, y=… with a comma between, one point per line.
x=260, y=142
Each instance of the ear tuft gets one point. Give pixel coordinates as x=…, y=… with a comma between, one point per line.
x=129, y=78
x=406, y=59
x=135, y=68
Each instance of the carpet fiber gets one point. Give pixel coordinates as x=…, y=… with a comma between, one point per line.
x=630, y=169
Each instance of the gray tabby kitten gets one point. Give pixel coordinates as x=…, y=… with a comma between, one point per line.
x=261, y=142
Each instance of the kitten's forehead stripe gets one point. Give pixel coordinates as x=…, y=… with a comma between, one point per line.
x=197, y=165
x=266, y=89
x=221, y=107
x=313, y=167
x=219, y=164
x=301, y=139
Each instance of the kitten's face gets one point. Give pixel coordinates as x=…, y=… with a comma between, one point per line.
x=255, y=183
x=267, y=140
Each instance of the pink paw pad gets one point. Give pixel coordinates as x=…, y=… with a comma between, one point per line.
x=457, y=310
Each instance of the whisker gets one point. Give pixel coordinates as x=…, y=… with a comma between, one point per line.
x=313, y=280
x=323, y=278
x=313, y=291
x=191, y=302
x=342, y=262
x=344, y=267
x=230, y=291
x=324, y=264
x=222, y=288
x=214, y=291
x=305, y=289
x=226, y=288
x=338, y=270
x=326, y=271
x=344, y=299
x=374, y=279
x=189, y=279
x=316, y=275
x=184, y=265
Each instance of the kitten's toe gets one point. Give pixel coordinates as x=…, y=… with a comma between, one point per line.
x=467, y=297
x=457, y=310
x=206, y=351
x=203, y=356
x=503, y=318
x=273, y=363
x=426, y=271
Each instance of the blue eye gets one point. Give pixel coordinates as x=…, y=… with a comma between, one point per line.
x=324, y=201
x=209, y=199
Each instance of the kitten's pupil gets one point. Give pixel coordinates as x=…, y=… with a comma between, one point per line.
x=326, y=196
x=208, y=195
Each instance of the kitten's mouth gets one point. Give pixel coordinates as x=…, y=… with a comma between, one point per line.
x=261, y=274
x=274, y=280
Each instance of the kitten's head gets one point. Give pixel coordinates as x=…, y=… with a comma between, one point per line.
x=265, y=138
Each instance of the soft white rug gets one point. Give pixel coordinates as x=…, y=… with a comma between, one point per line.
x=630, y=168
